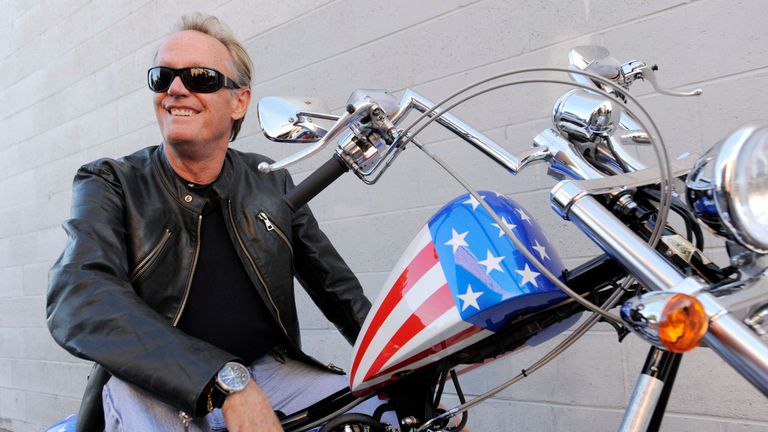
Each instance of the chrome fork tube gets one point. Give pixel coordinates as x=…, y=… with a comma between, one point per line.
x=736, y=343
x=646, y=407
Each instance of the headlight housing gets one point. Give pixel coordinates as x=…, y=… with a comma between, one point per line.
x=728, y=187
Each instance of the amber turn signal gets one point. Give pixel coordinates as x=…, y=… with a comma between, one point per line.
x=683, y=323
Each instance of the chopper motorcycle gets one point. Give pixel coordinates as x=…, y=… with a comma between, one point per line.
x=480, y=280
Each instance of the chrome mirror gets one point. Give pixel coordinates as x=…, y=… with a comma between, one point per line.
x=294, y=120
x=585, y=116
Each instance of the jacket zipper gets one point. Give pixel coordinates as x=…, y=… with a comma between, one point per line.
x=255, y=269
x=150, y=259
x=272, y=227
x=191, y=273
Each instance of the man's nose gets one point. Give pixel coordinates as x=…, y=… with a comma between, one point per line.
x=177, y=87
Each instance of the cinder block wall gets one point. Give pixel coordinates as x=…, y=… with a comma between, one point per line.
x=72, y=89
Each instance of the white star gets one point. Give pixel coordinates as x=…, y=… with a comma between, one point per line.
x=528, y=276
x=472, y=201
x=541, y=250
x=509, y=225
x=457, y=240
x=470, y=298
x=523, y=216
x=491, y=263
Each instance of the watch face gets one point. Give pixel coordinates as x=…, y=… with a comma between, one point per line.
x=233, y=377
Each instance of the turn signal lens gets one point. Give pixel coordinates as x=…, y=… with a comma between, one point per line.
x=683, y=323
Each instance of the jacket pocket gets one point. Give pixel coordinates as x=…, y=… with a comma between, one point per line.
x=271, y=227
x=148, y=261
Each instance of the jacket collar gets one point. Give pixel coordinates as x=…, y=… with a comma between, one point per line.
x=185, y=194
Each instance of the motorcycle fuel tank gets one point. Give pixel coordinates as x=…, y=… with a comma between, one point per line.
x=460, y=281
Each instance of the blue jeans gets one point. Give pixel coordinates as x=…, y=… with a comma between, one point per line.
x=289, y=384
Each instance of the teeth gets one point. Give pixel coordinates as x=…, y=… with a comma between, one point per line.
x=181, y=112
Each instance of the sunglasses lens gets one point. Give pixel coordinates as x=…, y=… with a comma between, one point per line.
x=195, y=79
x=159, y=79
x=201, y=80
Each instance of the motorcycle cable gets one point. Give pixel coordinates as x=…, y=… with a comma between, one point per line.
x=518, y=244
x=525, y=373
x=655, y=235
x=657, y=142
x=582, y=329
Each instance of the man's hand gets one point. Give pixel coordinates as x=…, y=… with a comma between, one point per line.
x=250, y=411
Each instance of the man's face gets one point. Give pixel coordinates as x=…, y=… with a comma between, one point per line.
x=188, y=118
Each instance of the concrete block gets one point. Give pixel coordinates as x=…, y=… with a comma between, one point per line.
x=310, y=317
x=325, y=33
x=17, y=190
x=48, y=409
x=10, y=161
x=327, y=346
x=269, y=17
x=135, y=111
x=744, y=427
x=587, y=373
x=14, y=403
x=689, y=42
x=580, y=418
x=105, y=15
x=729, y=103
x=5, y=364
x=49, y=243
x=700, y=371
x=672, y=422
x=13, y=9
x=66, y=379
x=499, y=415
x=35, y=279
x=12, y=281
x=460, y=47
x=18, y=312
x=41, y=346
x=400, y=228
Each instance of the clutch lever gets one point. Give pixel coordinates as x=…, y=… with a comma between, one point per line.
x=352, y=115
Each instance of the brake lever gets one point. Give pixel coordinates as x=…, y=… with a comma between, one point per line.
x=649, y=73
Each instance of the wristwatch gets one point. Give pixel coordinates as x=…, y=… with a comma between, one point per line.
x=232, y=378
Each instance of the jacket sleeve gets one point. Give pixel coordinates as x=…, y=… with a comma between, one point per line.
x=94, y=313
x=325, y=276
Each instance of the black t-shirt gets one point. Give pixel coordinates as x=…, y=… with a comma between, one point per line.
x=223, y=307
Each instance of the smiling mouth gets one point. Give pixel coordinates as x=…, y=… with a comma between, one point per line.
x=179, y=112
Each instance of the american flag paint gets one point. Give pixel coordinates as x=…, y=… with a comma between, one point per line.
x=460, y=281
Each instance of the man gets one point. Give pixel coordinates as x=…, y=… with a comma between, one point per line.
x=179, y=266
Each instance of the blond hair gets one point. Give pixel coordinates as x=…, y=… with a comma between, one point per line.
x=212, y=26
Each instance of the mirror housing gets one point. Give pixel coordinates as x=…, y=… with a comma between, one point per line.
x=293, y=119
x=594, y=59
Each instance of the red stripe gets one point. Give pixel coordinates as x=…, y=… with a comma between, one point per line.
x=434, y=349
x=420, y=264
x=453, y=340
x=437, y=304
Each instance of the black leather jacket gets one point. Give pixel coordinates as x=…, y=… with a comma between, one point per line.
x=119, y=287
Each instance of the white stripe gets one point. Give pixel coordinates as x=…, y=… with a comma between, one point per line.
x=422, y=239
x=432, y=280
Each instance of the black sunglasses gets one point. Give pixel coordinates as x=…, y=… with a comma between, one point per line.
x=196, y=79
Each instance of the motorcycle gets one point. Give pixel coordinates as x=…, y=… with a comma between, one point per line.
x=480, y=280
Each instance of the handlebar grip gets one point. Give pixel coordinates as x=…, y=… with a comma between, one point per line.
x=316, y=182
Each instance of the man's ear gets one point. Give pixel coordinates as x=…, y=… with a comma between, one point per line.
x=240, y=103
